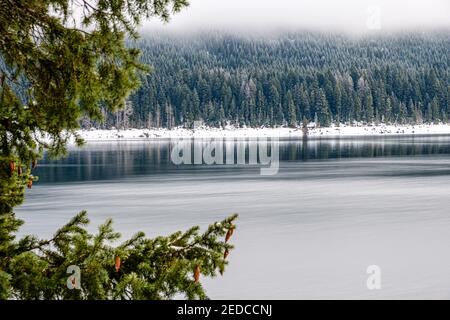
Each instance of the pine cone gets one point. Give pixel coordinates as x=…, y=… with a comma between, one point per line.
x=19, y=170
x=225, y=254
x=30, y=183
x=117, y=263
x=12, y=167
x=34, y=164
x=229, y=234
x=197, y=273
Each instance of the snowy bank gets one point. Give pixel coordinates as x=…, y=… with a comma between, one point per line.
x=231, y=132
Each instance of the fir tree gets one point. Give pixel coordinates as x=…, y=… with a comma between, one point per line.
x=323, y=114
x=292, y=110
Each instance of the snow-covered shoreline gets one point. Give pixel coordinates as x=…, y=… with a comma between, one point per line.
x=231, y=132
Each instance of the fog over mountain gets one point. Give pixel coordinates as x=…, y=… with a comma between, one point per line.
x=355, y=16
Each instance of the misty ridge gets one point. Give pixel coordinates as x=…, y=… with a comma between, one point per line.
x=256, y=63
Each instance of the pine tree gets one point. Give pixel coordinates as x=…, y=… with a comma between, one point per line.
x=292, y=110
x=70, y=72
x=429, y=113
x=435, y=110
x=368, y=107
x=323, y=114
x=304, y=102
x=388, y=110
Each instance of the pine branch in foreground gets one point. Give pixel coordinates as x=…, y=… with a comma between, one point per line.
x=139, y=268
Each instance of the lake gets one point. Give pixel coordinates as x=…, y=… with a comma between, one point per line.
x=335, y=207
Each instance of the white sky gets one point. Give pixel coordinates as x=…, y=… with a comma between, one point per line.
x=343, y=15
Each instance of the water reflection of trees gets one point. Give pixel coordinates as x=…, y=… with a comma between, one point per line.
x=105, y=161
x=346, y=148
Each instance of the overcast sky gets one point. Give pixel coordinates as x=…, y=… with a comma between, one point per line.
x=348, y=15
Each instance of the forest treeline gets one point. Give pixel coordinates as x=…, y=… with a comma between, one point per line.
x=289, y=79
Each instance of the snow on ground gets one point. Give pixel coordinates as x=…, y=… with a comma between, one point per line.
x=232, y=132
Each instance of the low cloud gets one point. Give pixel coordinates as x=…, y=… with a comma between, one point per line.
x=334, y=15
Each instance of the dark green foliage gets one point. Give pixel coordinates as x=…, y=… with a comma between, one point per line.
x=156, y=268
x=55, y=74
x=367, y=79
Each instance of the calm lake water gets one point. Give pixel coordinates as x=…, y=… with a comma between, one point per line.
x=335, y=207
